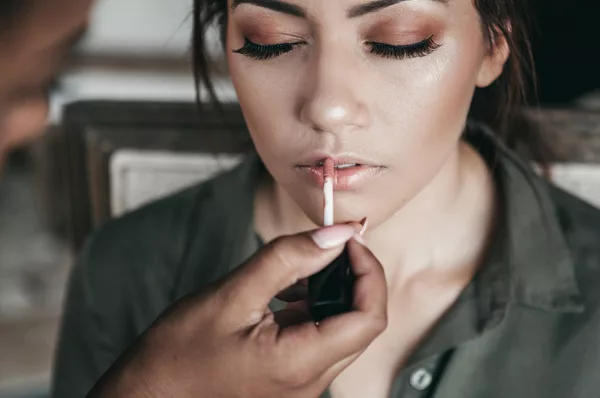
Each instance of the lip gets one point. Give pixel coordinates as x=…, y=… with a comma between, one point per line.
x=346, y=179
x=337, y=160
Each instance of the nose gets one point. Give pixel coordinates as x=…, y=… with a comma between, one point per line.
x=333, y=101
x=23, y=122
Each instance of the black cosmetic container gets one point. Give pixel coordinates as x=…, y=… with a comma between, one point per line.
x=330, y=291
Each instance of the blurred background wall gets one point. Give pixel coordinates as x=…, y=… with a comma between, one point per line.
x=139, y=27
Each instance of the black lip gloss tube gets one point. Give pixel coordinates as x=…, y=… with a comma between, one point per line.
x=330, y=291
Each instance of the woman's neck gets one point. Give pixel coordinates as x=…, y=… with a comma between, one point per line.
x=446, y=227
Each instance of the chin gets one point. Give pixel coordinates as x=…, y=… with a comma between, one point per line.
x=347, y=208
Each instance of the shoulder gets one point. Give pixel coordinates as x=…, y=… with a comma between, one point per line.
x=159, y=226
x=149, y=243
x=574, y=213
x=127, y=268
x=580, y=223
x=579, y=220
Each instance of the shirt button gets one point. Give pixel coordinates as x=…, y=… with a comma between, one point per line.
x=421, y=379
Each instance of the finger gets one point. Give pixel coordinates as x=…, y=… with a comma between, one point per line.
x=343, y=336
x=358, y=227
x=279, y=265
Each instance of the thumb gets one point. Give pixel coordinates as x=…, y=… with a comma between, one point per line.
x=280, y=264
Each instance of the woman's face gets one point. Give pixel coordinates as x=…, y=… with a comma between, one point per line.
x=32, y=49
x=385, y=84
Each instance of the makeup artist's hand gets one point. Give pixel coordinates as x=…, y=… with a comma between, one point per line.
x=226, y=343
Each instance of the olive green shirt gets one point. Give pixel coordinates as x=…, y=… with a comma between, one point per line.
x=528, y=325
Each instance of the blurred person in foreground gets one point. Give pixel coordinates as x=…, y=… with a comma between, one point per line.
x=35, y=37
x=176, y=357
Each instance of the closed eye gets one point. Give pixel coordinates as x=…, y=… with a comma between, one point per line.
x=265, y=52
x=420, y=49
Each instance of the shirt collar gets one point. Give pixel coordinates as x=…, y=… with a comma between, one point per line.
x=529, y=263
x=541, y=270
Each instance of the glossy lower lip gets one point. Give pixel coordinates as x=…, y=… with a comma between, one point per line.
x=346, y=179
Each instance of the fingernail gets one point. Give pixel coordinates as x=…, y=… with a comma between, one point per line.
x=365, y=224
x=360, y=239
x=330, y=237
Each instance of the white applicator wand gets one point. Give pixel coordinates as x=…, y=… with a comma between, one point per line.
x=328, y=174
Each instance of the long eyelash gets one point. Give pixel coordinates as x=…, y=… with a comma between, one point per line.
x=261, y=52
x=419, y=49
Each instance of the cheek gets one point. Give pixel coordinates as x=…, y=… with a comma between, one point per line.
x=267, y=93
x=439, y=89
x=428, y=99
x=457, y=70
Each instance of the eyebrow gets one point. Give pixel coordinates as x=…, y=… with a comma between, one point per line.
x=373, y=6
x=275, y=5
x=297, y=11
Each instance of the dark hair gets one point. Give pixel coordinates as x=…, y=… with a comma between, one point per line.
x=500, y=105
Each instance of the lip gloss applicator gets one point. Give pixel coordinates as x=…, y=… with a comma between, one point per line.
x=330, y=290
x=328, y=175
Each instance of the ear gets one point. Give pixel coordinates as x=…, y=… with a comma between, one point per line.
x=494, y=61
